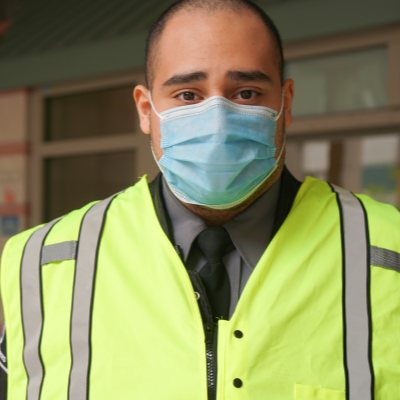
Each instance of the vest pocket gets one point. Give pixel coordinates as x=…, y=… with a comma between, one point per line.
x=306, y=392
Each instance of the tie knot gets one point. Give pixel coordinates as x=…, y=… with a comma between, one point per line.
x=214, y=243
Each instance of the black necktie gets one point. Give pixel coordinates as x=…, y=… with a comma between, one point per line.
x=215, y=243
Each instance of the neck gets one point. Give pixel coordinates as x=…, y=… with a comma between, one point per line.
x=214, y=217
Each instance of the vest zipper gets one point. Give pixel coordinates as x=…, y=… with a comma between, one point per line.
x=211, y=335
x=211, y=341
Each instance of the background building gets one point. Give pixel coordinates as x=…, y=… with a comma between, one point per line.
x=69, y=131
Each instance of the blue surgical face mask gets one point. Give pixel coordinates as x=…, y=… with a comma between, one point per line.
x=217, y=153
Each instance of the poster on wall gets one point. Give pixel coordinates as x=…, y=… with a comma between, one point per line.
x=9, y=225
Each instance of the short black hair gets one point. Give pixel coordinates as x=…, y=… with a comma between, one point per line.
x=209, y=6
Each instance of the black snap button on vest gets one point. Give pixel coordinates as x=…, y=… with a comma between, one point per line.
x=237, y=383
x=238, y=334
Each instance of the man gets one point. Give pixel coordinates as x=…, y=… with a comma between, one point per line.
x=224, y=278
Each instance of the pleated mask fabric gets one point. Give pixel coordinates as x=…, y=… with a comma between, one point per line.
x=217, y=153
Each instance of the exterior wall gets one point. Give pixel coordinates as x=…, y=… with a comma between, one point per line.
x=296, y=20
x=13, y=165
x=307, y=19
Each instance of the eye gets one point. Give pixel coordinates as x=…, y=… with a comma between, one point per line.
x=246, y=94
x=187, y=96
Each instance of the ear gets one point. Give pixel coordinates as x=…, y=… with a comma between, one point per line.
x=288, y=90
x=141, y=96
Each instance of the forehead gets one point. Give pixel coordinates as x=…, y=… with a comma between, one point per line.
x=214, y=43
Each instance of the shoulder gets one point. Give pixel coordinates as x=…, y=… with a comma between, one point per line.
x=63, y=229
x=383, y=223
x=383, y=220
x=67, y=227
x=377, y=209
x=379, y=215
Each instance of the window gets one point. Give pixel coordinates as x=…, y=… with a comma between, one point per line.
x=104, y=112
x=367, y=164
x=379, y=167
x=72, y=182
x=341, y=82
x=315, y=159
x=346, y=109
x=86, y=144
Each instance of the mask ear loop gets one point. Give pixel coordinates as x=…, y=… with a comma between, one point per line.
x=154, y=155
x=284, y=133
x=282, y=104
x=152, y=106
x=151, y=143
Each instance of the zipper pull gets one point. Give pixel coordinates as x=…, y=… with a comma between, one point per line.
x=179, y=252
x=209, y=332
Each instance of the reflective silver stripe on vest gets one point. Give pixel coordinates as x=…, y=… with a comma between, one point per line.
x=86, y=261
x=32, y=313
x=59, y=252
x=357, y=340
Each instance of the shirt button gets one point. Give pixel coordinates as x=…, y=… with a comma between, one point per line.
x=238, y=334
x=237, y=383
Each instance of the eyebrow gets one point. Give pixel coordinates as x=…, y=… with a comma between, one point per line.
x=180, y=79
x=248, y=76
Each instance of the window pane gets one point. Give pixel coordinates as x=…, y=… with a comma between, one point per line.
x=98, y=113
x=345, y=82
x=72, y=182
x=379, y=173
x=315, y=159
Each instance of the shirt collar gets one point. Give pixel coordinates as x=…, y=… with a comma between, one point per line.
x=250, y=231
x=185, y=225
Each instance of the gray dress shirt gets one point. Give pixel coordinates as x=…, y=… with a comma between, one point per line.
x=250, y=232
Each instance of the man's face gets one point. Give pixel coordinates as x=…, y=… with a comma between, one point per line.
x=221, y=54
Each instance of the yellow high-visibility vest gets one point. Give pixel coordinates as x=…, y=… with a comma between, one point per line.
x=99, y=306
